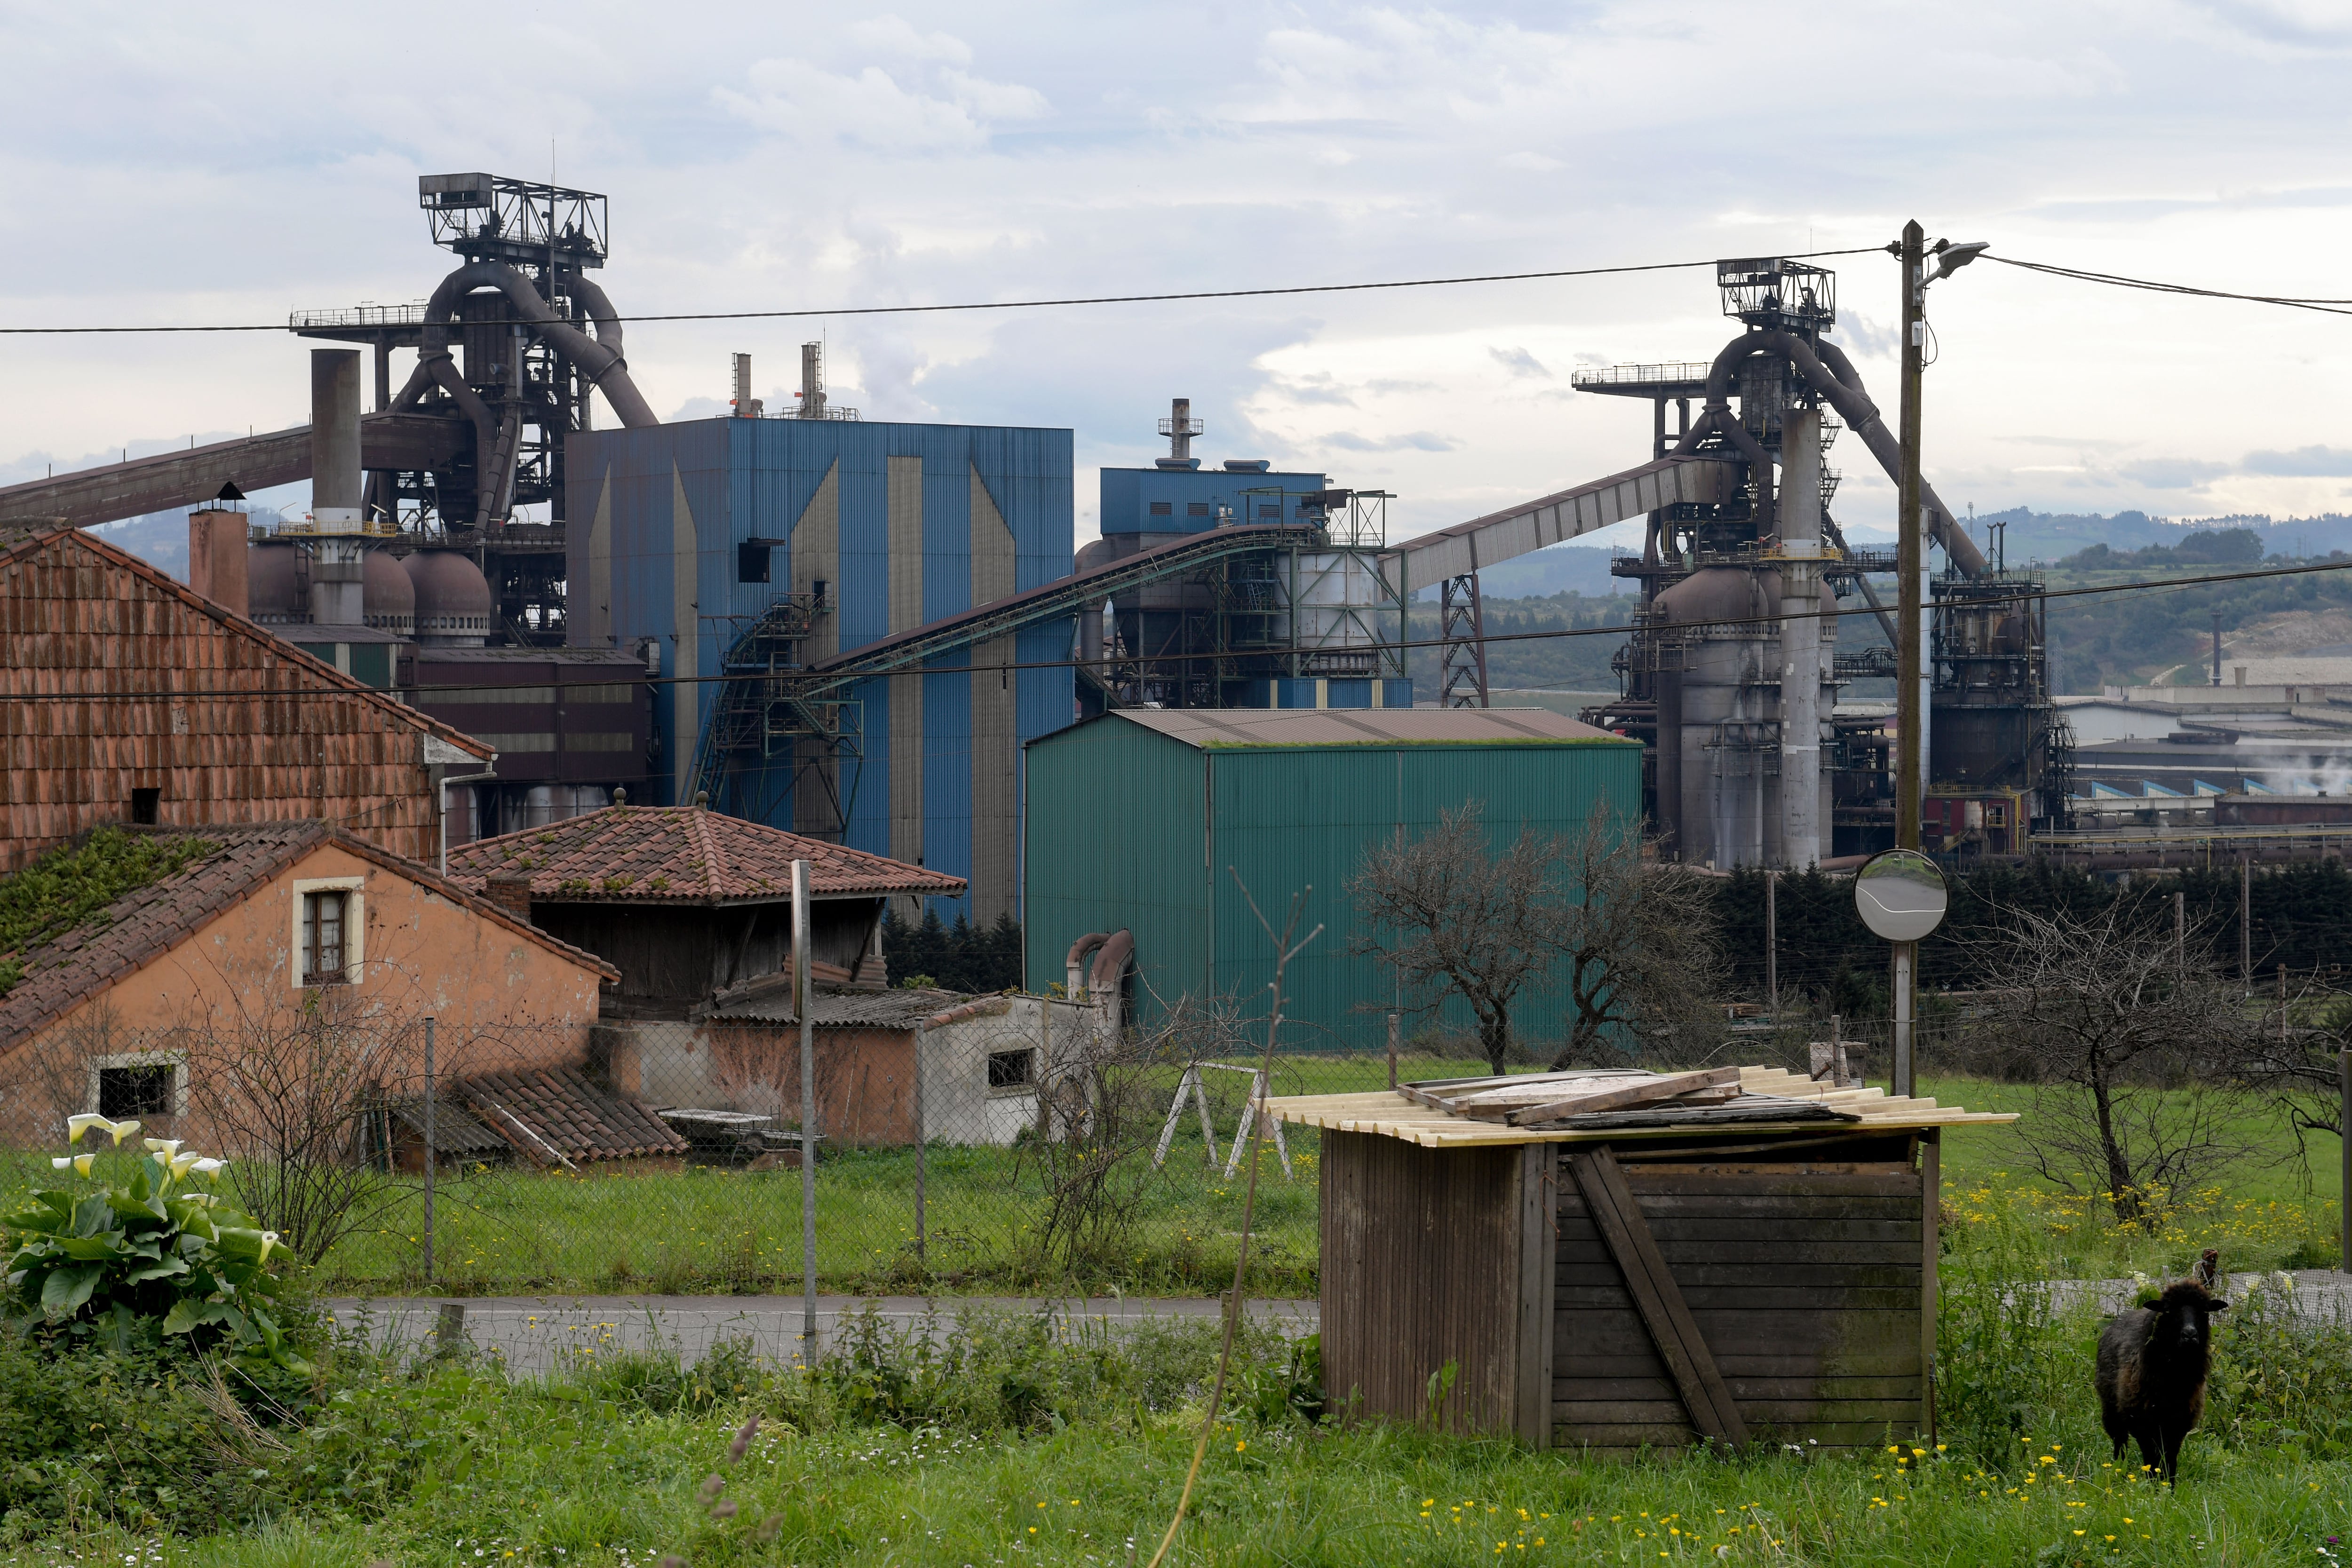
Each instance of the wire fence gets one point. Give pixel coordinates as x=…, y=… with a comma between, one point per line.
x=1003, y=1144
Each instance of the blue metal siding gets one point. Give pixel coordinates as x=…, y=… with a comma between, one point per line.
x=1128, y=494
x=754, y=478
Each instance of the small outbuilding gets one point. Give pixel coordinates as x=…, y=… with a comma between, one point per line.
x=1618, y=1260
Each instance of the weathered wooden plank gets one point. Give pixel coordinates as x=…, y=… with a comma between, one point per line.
x=1826, y=1277
x=1894, y=1181
x=1903, y=1235
x=1681, y=1344
x=1570, y=1389
x=1766, y=1331
x=1806, y=1413
x=1728, y=1205
x=1537, y=1309
x=1645, y=1093
x=1750, y=1298
x=1766, y=1255
x=1931, y=1201
x=1828, y=1435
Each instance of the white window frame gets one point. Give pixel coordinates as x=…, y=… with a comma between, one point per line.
x=177, y=1060
x=354, y=924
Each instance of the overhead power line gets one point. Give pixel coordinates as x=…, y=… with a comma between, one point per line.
x=2145, y=585
x=2117, y=280
x=1009, y=303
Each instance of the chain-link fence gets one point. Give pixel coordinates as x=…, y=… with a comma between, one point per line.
x=978, y=1146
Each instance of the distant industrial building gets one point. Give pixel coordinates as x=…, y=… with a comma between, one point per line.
x=733, y=551
x=1135, y=817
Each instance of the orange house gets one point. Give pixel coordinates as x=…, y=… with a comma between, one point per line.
x=252, y=985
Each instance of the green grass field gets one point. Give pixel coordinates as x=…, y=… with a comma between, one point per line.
x=713, y=1230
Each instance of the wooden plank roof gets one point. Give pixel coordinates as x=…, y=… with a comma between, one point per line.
x=1392, y=1115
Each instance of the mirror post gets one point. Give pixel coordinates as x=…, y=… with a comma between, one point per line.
x=1906, y=955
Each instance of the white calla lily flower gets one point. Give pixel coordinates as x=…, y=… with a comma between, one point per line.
x=269, y=1240
x=210, y=1169
x=83, y=1162
x=123, y=1130
x=167, y=1147
x=62, y=1163
x=77, y=1125
x=182, y=1164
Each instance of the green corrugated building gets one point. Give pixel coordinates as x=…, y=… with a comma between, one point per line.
x=1133, y=818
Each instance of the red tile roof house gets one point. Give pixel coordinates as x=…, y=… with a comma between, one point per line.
x=694, y=907
x=128, y=697
x=239, y=977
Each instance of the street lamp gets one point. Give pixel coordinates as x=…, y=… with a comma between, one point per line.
x=1921, y=266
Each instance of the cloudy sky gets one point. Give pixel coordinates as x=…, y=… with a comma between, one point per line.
x=231, y=162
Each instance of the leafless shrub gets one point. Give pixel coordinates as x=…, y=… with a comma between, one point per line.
x=2136, y=1046
x=1631, y=940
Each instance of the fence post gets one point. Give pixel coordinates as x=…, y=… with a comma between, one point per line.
x=2344, y=1137
x=2246, y=921
x=922, y=1143
x=1393, y=1050
x=801, y=999
x=431, y=1158
x=1772, y=944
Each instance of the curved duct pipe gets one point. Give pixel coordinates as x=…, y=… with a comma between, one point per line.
x=1076, y=964
x=1107, y=981
x=600, y=314
x=602, y=363
x=1831, y=374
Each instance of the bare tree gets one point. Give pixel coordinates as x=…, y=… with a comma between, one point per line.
x=2135, y=1042
x=1631, y=939
x=1641, y=955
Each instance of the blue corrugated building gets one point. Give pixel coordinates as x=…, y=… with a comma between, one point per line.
x=684, y=535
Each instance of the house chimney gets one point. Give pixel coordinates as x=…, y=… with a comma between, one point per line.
x=216, y=552
x=510, y=891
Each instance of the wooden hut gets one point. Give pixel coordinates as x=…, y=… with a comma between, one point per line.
x=1620, y=1261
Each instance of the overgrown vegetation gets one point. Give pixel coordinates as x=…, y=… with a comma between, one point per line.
x=72, y=885
x=977, y=959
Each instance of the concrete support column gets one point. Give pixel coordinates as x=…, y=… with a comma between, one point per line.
x=1800, y=638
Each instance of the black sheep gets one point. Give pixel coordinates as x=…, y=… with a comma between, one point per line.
x=2152, y=1364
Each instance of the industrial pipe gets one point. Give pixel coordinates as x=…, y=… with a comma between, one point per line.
x=1831, y=374
x=600, y=362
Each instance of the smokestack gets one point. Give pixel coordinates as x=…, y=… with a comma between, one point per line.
x=1180, y=427
x=1800, y=637
x=218, y=550
x=745, y=405
x=338, y=565
x=813, y=381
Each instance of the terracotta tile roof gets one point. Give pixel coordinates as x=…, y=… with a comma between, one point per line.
x=149, y=922
x=681, y=854
x=902, y=1007
x=556, y=1110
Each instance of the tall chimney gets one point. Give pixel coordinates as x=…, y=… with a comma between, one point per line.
x=745, y=405
x=216, y=553
x=813, y=381
x=338, y=567
x=510, y=891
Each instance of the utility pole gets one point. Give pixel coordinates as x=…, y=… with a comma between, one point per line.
x=1772, y=945
x=1910, y=709
x=1910, y=716
x=2246, y=920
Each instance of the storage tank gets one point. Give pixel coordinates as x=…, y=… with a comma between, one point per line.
x=452, y=606
x=388, y=600
x=275, y=590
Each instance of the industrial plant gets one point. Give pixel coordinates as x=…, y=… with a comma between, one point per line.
x=856, y=628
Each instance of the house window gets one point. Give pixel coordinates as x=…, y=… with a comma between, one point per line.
x=1012, y=1070
x=145, y=807
x=322, y=937
x=1163, y=508
x=137, y=1090
x=752, y=562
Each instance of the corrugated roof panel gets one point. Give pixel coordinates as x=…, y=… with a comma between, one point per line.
x=1364, y=727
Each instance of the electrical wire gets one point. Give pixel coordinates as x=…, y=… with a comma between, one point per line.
x=1006, y=303
x=2117, y=280
x=1491, y=639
